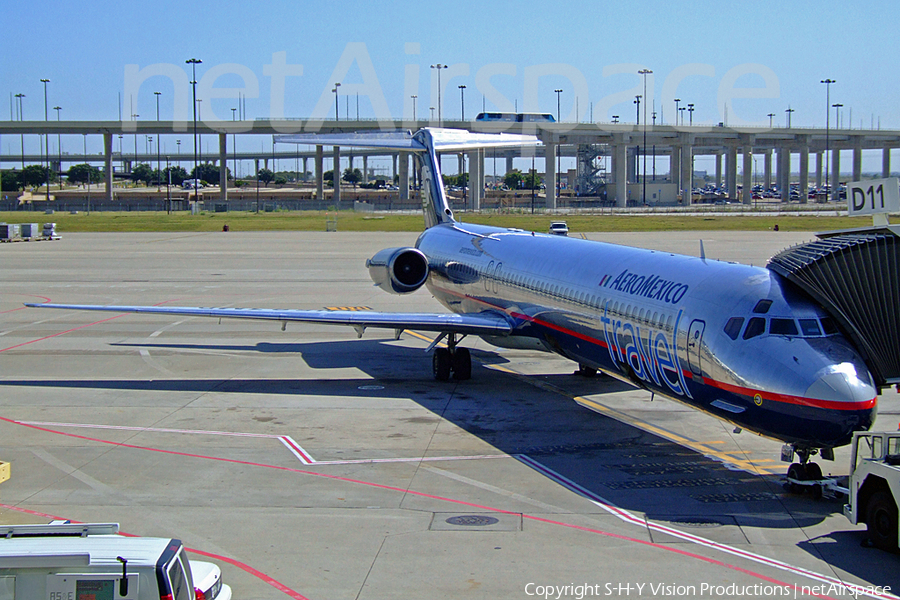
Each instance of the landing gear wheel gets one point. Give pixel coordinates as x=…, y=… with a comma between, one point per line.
x=796, y=471
x=881, y=521
x=813, y=471
x=586, y=371
x=462, y=364
x=441, y=363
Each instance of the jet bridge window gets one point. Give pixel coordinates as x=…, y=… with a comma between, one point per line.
x=733, y=327
x=783, y=327
x=755, y=326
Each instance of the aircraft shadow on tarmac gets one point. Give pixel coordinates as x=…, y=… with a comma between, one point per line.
x=619, y=463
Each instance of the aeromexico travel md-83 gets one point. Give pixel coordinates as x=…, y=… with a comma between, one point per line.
x=731, y=340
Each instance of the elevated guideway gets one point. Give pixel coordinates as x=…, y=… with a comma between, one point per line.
x=855, y=276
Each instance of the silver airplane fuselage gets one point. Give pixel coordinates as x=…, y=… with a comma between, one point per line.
x=732, y=340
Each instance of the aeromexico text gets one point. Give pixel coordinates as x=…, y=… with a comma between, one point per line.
x=653, y=287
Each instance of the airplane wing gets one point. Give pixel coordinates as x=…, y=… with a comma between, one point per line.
x=485, y=323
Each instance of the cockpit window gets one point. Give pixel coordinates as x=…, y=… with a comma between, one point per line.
x=810, y=327
x=782, y=327
x=733, y=327
x=762, y=307
x=755, y=326
x=829, y=326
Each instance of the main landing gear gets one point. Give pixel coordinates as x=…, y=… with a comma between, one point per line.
x=805, y=476
x=452, y=359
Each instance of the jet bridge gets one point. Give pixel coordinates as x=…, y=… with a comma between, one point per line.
x=855, y=276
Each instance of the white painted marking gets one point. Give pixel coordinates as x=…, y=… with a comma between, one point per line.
x=496, y=490
x=106, y=491
x=302, y=455
x=151, y=362
x=628, y=517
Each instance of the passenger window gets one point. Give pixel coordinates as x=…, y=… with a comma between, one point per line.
x=762, y=307
x=755, y=326
x=733, y=327
x=829, y=326
x=782, y=327
x=810, y=327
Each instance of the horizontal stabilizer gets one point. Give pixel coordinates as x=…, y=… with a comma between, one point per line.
x=400, y=140
x=445, y=140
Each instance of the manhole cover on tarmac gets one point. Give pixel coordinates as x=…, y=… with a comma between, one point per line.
x=477, y=522
x=472, y=520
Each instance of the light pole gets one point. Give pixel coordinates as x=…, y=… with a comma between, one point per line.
x=168, y=187
x=134, y=118
x=677, y=100
x=46, y=136
x=439, y=66
x=158, y=161
x=615, y=119
x=431, y=108
x=234, y=146
x=654, y=146
x=194, y=62
x=691, y=111
x=837, y=125
x=20, y=111
x=414, y=97
x=827, y=83
x=771, y=115
x=58, y=145
x=681, y=110
x=788, y=112
x=558, y=153
x=462, y=101
x=337, y=117
x=644, y=73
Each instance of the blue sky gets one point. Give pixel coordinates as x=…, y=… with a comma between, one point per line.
x=703, y=50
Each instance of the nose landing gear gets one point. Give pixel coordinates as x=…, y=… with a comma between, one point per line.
x=805, y=476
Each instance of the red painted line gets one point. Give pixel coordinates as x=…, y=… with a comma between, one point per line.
x=44, y=298
x=60, y=333
x=421, y=495
x=243, y=566
x=74, y=328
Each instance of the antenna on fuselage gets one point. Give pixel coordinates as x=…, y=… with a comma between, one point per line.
x=702, y=251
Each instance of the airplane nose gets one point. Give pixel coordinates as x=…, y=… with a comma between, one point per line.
x=842, y=384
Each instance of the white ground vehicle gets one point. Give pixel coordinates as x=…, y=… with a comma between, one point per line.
x=559, y=228
x=81, y=561
x=875, y=486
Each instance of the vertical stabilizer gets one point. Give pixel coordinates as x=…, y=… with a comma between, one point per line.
x=434, y=198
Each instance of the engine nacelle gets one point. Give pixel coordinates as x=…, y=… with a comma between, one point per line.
x=398, y=270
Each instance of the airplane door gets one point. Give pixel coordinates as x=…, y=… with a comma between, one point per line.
x=695, y=340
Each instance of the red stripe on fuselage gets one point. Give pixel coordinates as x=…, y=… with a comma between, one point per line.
x=749, y=393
